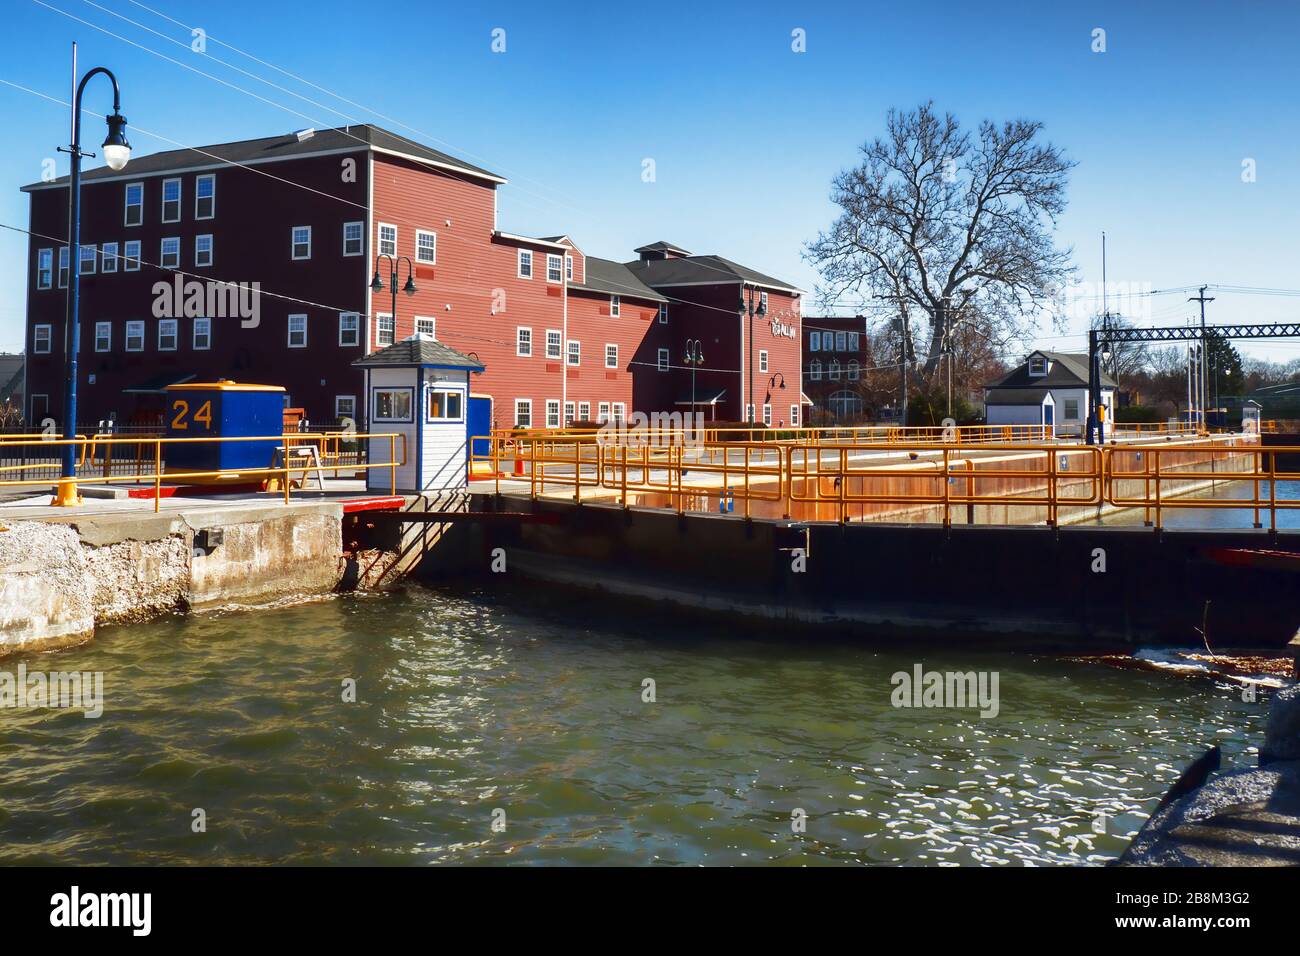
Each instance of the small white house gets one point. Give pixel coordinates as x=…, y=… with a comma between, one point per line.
x=1050, y=388
x=419, y=388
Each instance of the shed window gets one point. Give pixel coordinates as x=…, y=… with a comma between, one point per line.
x=443, y=405
x=392, y=405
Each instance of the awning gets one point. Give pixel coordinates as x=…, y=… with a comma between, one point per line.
x=704, y=395
x=158, y=384
x=804, y=399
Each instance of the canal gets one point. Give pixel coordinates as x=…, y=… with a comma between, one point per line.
x=528, y=709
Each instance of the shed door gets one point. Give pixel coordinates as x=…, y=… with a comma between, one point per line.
x=480, y=423
x=1048, y=413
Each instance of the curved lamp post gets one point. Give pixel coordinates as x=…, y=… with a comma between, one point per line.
x=394, y=266
x=753, y=308
x=694, y=357
x=117, y=151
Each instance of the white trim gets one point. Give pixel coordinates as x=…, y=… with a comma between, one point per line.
x=105, y=257
x=49, y=338
x=615, y=306
x=138, y=326
x=528, y=239
x=293, y=243
x=378, y=327
x=211, y=250
x=379, y=238
x=559, y=412
x=175, y=335
x=519, y=341
x=426, y=318
x=361, y=239
x=519, y=263
x=163, y=200
x=352, y=414
x=289, y=330
x=529, y=403
x=162, y=251
x=569, y=350
x=213, y=197
x=94, y=259
x=439, y=165
x=663, y=313
x=608, y=346
x=762, y=361
x=546, y=346
x=194, y=334
x=49, y=282
x=131, y=262
x=127, y=204
x=551, y=257
x=663, y=360
x=426, y=232
x=108, y=347
x=356, y=329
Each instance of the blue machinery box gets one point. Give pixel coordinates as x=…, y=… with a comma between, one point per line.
x=222, y=409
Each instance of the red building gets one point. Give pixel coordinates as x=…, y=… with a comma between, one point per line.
x=254, y=261
x=836, y=358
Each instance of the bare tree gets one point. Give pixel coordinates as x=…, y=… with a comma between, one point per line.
x=958, y=226
x=1126, y=358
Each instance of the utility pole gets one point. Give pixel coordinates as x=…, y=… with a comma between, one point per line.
x=1201, y=377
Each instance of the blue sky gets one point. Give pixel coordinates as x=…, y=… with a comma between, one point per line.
x=745, y=134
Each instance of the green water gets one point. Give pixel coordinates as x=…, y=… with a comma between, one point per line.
x=469, y=703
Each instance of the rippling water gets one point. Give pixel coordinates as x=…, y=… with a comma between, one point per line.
x=469, y=704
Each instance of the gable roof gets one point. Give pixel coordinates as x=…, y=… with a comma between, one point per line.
x=418, y=351
x=1016, y=396
x=614, y=278
x=364, y=136
x=1068, y=370
x=703, y=270
x=662, y=246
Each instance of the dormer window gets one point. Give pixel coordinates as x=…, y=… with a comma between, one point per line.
x=1037, y=365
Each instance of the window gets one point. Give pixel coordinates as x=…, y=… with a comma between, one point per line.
x=171, y=253
x=103, y=336
x=525, y=264
x=1037, y=365
x=762, y=302
x=135, y=336
x=426, y=326
x=167, y=335
x=171, y=200
x=345, y=406
x=611, y=356
x=392, y=405
x=426, y=246
x=603, y=413
x=762, y=360
x=815, y=370
x=385, y=330
x=524, y=412
x=387, y=239
x=205, y=196
x=840, y=341
x=568, y=414
x=349, y=328
x=568, y=267
x=584, y=411
x=523, y=341
x=845, y=404
x=297, y=331
x=87, y=266
x=134, y=214
x=45, y=268
x=853, y=341
x=854, y=368
x=767, y=413
x=63, y=268
x=443, y=405
x=662, y=363
x=834, y=373
x=749, y=412
x=552, y=413
x=814, y=341
x=202, y=251
x=663, y=313
x=620, y=411
x=554, y=267
x=201, y=338
x=794, y=416
x=352, y=238
x=41, y=339
x=109, y=256
x=301, y=242
x=1071, y=409
x=131, y=255
x=614, y=306
x=575, y=352
x=552, y=343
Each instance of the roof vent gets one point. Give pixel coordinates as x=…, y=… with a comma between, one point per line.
x=302, y=135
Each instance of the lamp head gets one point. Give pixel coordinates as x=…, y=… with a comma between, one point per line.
x=376, y=283
x=409, y=288
x=117, y=151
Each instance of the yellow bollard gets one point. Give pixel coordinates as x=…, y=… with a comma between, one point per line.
x=66, y=496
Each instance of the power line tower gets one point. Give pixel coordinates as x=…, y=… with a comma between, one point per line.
x=1201, y=397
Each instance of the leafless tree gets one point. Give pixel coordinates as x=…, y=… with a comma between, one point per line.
x=1126, y=358
x=953, y=226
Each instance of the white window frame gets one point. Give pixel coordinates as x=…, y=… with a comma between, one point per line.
x=602, y=413
x=449, y=394
x=65, y=256
x=570, y=414
x=853, y=370
x=524, y=255
x=663, y=313
x=354, y=331
x=584, y=412
x=558, y=337
x=814, y=341
x=573, y=353
x=204, y=323
x=1040, y=362
x=134, y=330
x=762, y=302
x=663, y=360
x=106, y=328
x=420, y=259
x=841, y=342
x=527, y=405
x=833, y=373
x=619, y=411
x=162, y=252
x=45, y=273
x=380, y=319
x=360, y=239
x=338, y=413
x=568, y=267
x=615, y=306
x=406, y=390
x=127, y=205
x=82, y=258
x=767, y=414
x=294, y=243
x=609, y=355
x=749, y=413
x=108, y=259
x=174, y=334
x=815, y=370
x=433, y=322
x=1065, y=410
x=554, y=263
x=384, y=247
x=130, y=260
x=37, y=336
x=523, y=341
x=552, y=413
x=290, y=330
x=794, y=416
x=180, y=196
x=199, y=263
x=211, y=178
x=762, y=360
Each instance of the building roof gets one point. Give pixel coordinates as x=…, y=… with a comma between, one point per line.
x=416, y=352
x=702, y=270
x=662, y=246
x=363, y=136
x=1016, y=396
x=614, y=278
x=1068, y=370
x=11, y=374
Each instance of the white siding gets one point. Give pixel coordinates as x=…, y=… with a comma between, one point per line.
x=444, y=454
x=377, y=479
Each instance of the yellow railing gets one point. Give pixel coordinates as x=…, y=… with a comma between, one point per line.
x=289, y=443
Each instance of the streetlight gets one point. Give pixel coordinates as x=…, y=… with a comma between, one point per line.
x=760, y=310
x=117, y=151
x=394, y=266
x=694, y=357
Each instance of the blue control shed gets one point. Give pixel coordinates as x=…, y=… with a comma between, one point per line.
x=222, y=409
